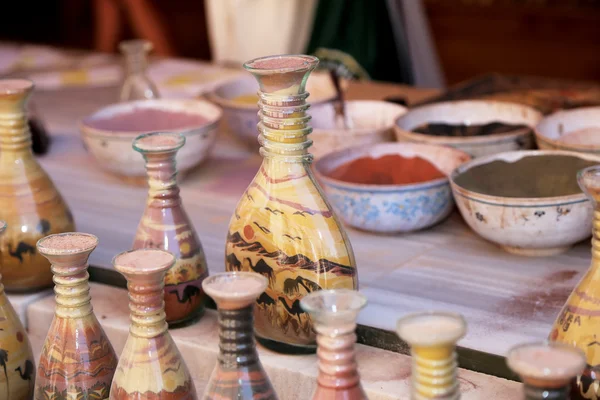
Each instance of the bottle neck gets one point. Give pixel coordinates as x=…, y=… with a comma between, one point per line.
x=147, y=306
x=136, y=63
x=538, y=393
x=434, y=374
x=72, y=289
x=284, y=127
x=161, y=169
x=337, y=364
x=236, y=338
x=596, y=239
x=15, y=137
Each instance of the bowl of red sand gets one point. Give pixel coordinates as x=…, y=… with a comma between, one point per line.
x=390, y=187
x=239, y=100
x=109, y=132
x=572, y=130
x=370, y=122
x=477, y=127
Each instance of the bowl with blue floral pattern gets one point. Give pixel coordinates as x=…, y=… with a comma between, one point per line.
x=417, y=196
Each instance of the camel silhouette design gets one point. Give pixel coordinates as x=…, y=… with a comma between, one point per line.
x=27, y=373
x=3, y=361
x=188, y=293
x=233, y=262
x=262, y=268
x=22, y=248
x=295, y=309
x=292, y=286
x=265, y=299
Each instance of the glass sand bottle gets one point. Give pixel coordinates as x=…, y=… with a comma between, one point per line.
x=165, y=225
x=238, y=374
x=579, y=321
x=137, y=85
x=283, y=228
x=432, y=337
x=546, y=369
x=334, y=313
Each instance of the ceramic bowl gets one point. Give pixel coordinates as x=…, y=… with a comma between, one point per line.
x=372, y=122
x=471, y=112
x=113, y=150
x=391, y=208
x=529, y=226
x=571, y=130
x=242, y=118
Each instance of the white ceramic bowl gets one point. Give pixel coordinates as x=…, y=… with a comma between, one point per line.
x=372, y=122
x=113, y=149
x=541, y=226
x=585, y=120
x=242, y=118
x=471, y=112
x=391, y=208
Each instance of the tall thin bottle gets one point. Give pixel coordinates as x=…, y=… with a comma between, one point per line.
x=546, y=369
x=29, y=202
x=137, y=85
x=432, y=337
x=16, y=383
x=579, y=321
x=165, y=225
x=334, y=313
x=283, y=228
x=150, y=366
x=77, y=360
x=238, y=374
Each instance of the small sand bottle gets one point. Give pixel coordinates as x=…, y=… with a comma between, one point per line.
x=137, y=85
x=16, y=383
x=283, y=226
x=546, y=369
x=77, y=359
x=578, y=323
x=165, y=225
x=150, y=366
x=432, y=337
x=238, y=374
x=334, y=314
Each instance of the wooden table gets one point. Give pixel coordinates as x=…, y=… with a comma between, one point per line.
x=506, y=299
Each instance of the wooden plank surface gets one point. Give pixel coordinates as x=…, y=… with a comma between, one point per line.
x=506, y=299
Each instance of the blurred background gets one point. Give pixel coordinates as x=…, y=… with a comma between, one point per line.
x=429, y=43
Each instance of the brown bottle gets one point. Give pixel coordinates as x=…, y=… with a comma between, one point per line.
x=77, y=360
x=238, y=374
x=29, y=202
x=165, y=225
x=16, y=383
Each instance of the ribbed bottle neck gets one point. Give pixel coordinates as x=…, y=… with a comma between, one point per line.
x=236, y=338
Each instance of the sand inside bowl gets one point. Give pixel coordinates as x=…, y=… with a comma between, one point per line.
x=468, y=130
x=528, y=177
x=391, y=169
x=147, y=119
x=586, y=136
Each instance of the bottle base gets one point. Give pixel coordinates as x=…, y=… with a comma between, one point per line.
x=191, y=319
x=285, y=348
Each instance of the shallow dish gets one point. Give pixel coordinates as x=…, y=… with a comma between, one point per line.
x=372, y=122
x=241, y=116
x=571, y=130
x=470, y=112
x=530, y=219
x=391, y=208
x=112, y=147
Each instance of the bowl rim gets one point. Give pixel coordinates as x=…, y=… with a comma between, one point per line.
x=470, y=140
x=525, y=202
x=588, y=148
x=223, y=102
x=211, y=123
x=400, y=111
x=404, y=187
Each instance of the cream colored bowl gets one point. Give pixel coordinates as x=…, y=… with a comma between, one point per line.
x=572, y=130
x=241, y=118
x=113, y=150
x=471, y=112
x=371, y=122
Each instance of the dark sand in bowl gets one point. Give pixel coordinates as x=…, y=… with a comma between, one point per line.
x=534, y=176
